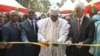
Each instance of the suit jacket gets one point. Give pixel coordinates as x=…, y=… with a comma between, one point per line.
x=1, y=26
x=28, y=34
x=12, y=34
x=86, y=36
x=2, y=51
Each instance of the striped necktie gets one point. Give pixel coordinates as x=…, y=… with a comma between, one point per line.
x=79, y=26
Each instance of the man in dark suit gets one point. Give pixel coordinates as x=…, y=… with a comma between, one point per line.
x=81, y=32
x=11, y=33
x=2, y=45
x=29, y=31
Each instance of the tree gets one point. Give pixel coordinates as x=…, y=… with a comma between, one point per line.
x=25, y=3
x=38, y=5
x=62, y=2
x=89, y=0
x=44, y=5
x=59, y=4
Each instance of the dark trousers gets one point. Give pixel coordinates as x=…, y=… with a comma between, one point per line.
x=2, y=52
x=31, y=51
x=68, y=51
x=71, y=52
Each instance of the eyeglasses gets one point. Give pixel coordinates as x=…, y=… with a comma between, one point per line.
x=31, y=12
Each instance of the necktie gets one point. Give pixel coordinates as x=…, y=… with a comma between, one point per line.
x=79, y=26
x=33, y=26
x=16, y=26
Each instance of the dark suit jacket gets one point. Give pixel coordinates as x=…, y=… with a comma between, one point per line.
x=2, y=51
x=1, y=26
x=86, y=36
x=12, y=34
x=28, y=34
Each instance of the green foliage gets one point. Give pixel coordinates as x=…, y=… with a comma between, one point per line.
x=93, y=9
x=38, y=5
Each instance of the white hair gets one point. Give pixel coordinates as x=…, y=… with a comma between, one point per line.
x=12, y=11
x=79, y=5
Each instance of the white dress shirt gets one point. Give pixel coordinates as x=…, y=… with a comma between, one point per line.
x=31, y=23
x=81, y=19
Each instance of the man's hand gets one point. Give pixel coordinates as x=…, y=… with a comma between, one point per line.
x=55, y=45
x=28, y=44
x=9, y=45
x=46, y=42
x=68, y=42
x=80, y=45
x=2, y=45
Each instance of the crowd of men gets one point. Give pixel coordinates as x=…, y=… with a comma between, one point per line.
x=49, y=30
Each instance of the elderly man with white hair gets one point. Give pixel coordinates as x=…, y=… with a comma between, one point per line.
x=53, y=29
x=81, y=32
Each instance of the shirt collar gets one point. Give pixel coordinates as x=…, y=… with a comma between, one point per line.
x=15, y=23
x=54, y=21
x=31, y=20
x=81, y=18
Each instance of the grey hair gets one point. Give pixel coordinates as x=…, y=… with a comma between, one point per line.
x=12, y=11
x=79, y=5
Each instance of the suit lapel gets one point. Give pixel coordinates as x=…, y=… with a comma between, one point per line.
x=28, y=24
x=83, y=25
x=29, y=27
x=12, y=25
x=76, y=27
x=75, y=24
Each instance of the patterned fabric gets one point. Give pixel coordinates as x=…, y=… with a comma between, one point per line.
x=54, y=32
x=97, y=49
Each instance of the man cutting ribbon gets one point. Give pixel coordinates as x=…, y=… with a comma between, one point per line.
x=53, y=29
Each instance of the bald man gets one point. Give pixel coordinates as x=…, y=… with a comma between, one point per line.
x=11, y=33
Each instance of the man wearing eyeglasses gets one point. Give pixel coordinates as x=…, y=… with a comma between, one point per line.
x=29, y=31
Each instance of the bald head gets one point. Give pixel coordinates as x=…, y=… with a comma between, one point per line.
x=12, y=11
x=13, y=16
